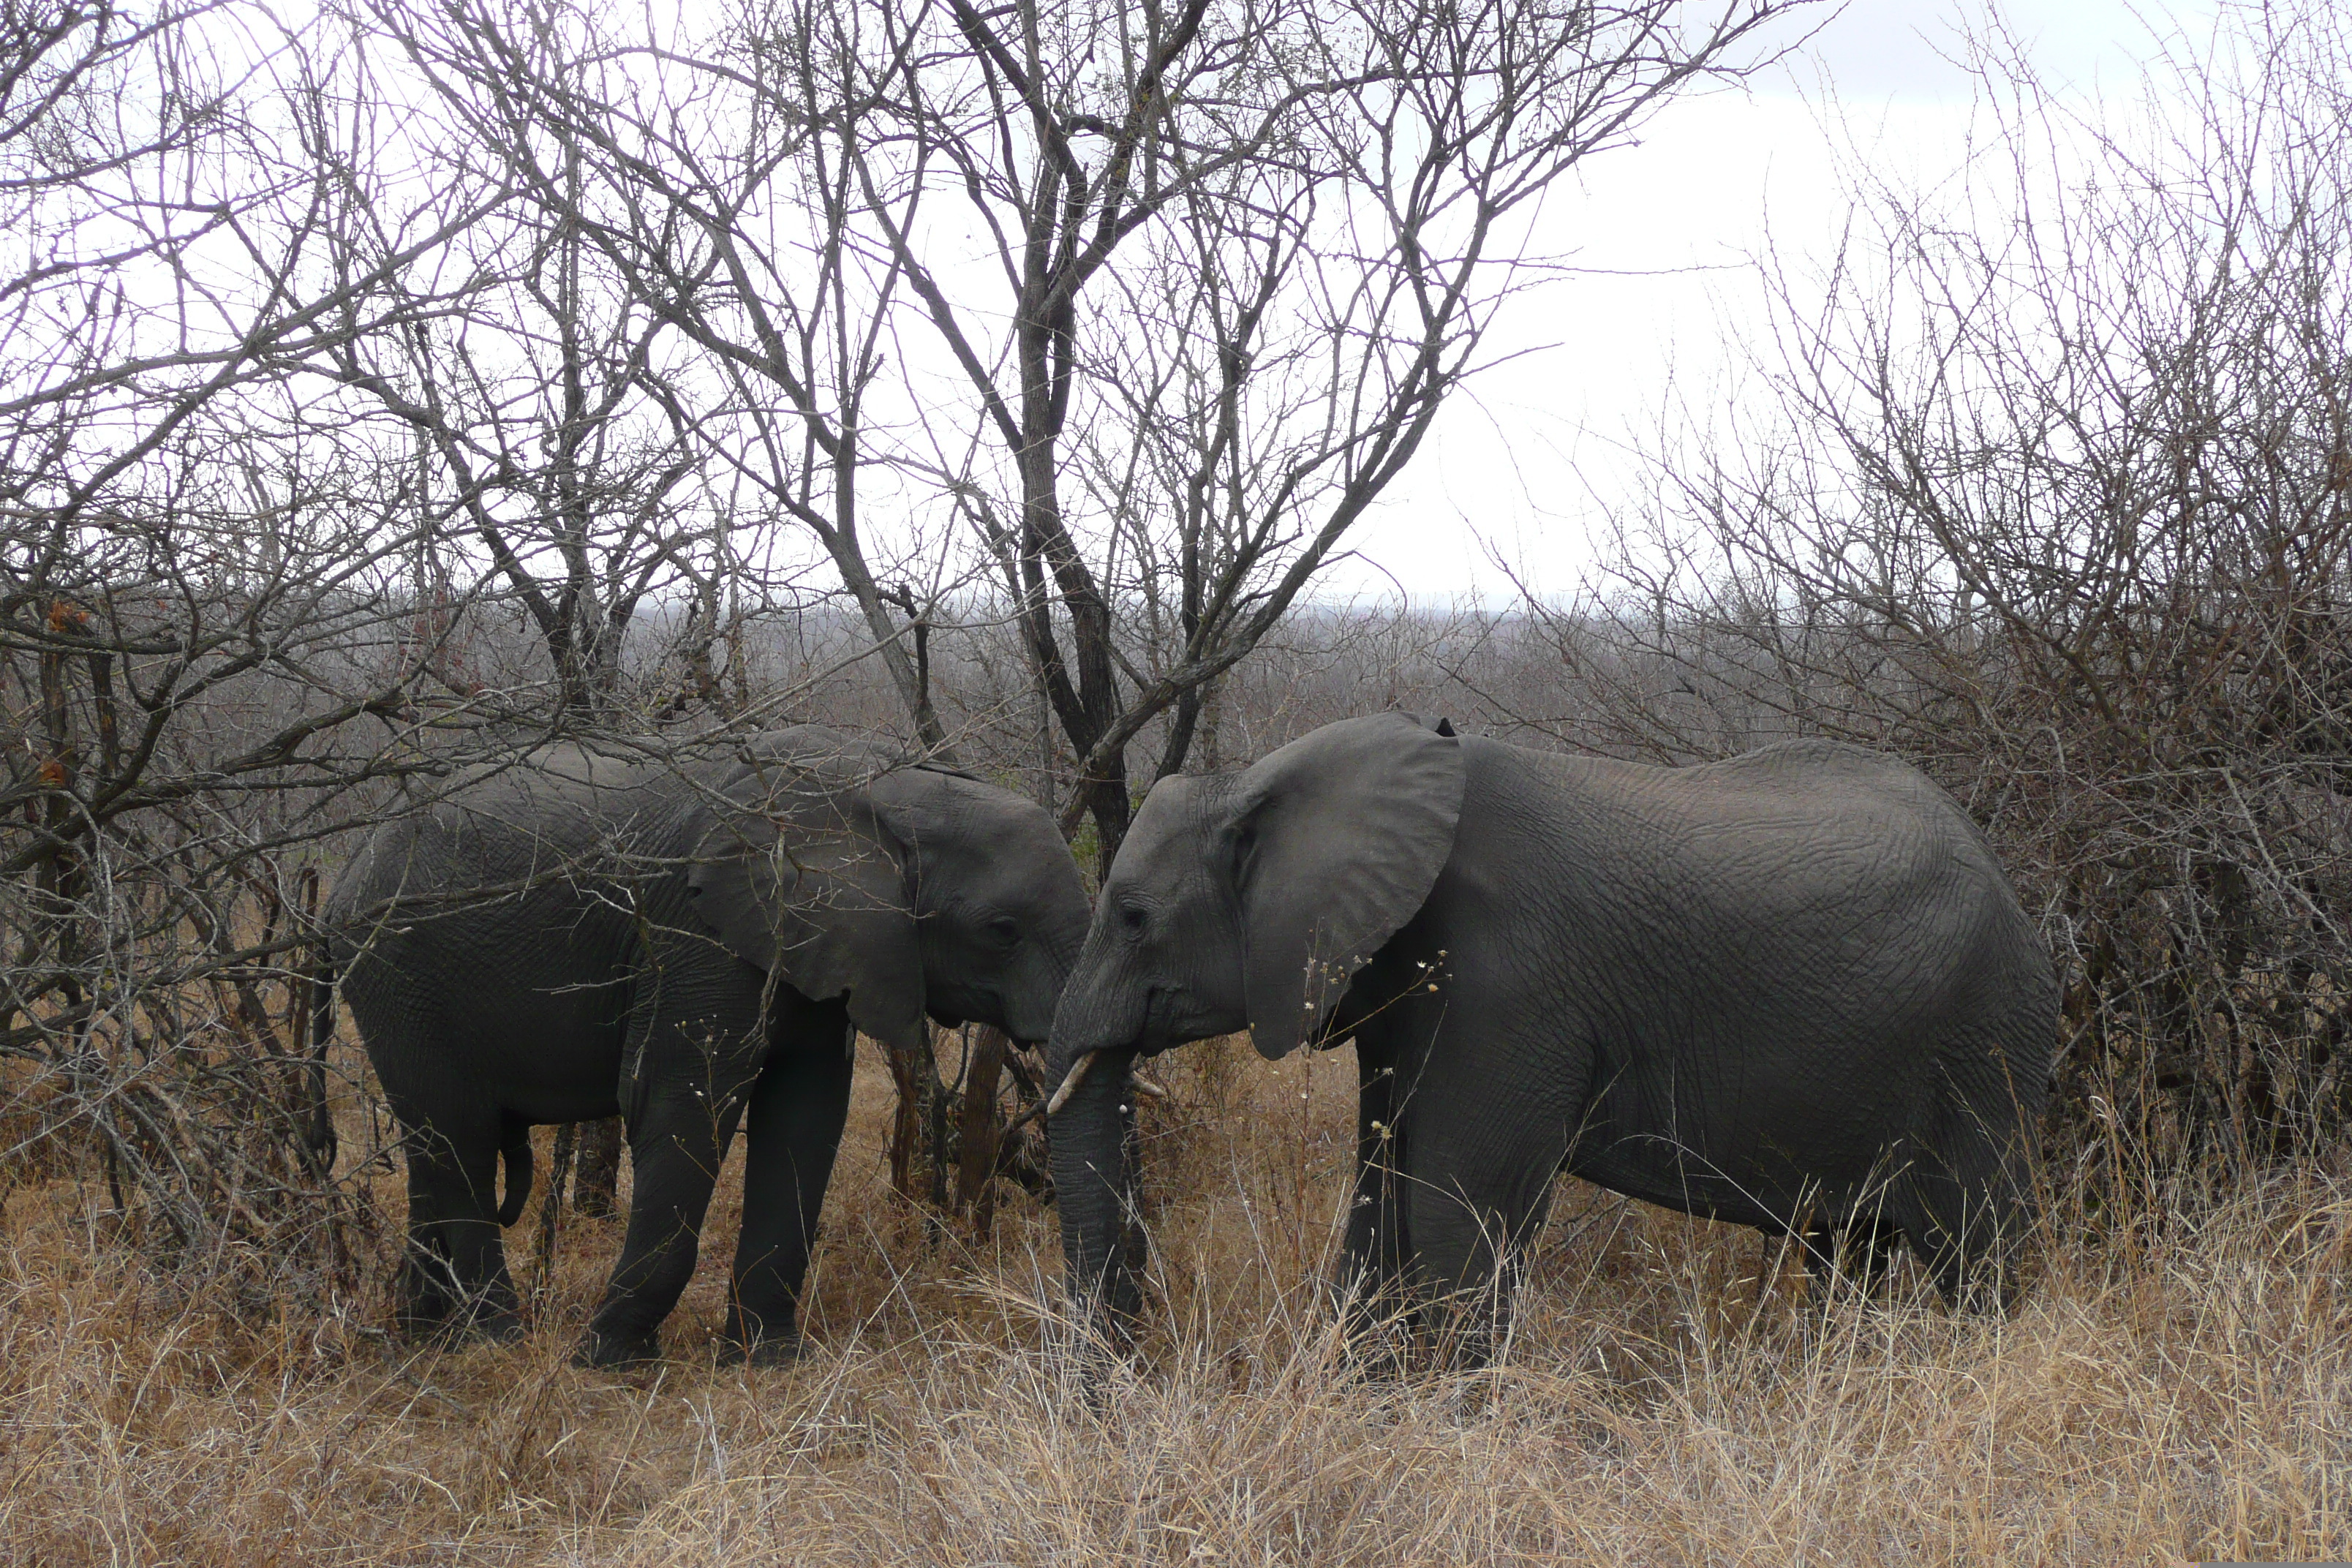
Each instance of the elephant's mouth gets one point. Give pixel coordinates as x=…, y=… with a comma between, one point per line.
x=1158, y=1033
x=954, y=1007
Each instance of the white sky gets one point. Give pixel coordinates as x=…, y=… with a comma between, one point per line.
x=1528, y=468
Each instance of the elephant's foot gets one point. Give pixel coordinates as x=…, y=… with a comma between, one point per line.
x=426, y=1306
x=450, y=1330
x=1378, y=1356
x=601, y=1349
x=420, y=1325
x=1381, y=1326
x=501, y=1326
x=771, y=1350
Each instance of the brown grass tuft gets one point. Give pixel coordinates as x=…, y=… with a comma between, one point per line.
x=1669, y=1396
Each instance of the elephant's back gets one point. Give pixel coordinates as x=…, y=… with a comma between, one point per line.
x=538, y=818
x=1664, y=877
x=500, y=914
x=573, y=813
x=1910, y=849
x=1806, y=827
x=483, y=929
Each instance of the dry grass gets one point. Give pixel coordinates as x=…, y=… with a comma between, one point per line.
x=1668, y=1398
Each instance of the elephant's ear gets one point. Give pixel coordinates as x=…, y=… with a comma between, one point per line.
x=1339, y=838
x=813, y=891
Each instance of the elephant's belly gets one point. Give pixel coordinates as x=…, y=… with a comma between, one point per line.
x=1760, y=1162
x=1688, y=1189
x=547, y=1057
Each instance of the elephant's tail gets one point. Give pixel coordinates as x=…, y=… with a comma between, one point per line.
x=318, y=1136
x=517, y=1151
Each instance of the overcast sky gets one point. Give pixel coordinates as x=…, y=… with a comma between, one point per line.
x=1529, y=464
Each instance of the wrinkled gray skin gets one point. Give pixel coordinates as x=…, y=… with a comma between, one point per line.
x=688, y=944
x=1792, y=990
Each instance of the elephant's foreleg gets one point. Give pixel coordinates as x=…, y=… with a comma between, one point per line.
x=675, y=1152
x=792, y=1132
x=1470, y=1260
x=1485, y=1139
x=1379, y=1249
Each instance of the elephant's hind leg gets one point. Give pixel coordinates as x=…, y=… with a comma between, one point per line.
x=454, y=1278
x=792, y=1132
x=1969, y=1225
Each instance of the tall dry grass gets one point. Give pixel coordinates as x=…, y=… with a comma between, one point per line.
x=2182, y=1390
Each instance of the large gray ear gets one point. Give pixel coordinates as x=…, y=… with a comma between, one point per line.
x=1340, y=836
x=810, y=887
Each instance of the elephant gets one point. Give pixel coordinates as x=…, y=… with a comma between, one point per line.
x=1792, y=989
x=687, y=943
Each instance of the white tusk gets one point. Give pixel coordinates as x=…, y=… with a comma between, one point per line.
x=1070, y=1082
x=1146, y=1088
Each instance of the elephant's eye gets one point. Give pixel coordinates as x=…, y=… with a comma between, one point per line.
x=1005, y=930
x=1130, y=920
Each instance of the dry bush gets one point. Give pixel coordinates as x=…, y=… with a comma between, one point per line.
x=1669, y=1395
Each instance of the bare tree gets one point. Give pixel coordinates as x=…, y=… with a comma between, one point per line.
x=207, y=655
x=549, y=434
x=1125, y=313
x=696, y=182
x=1244, y=251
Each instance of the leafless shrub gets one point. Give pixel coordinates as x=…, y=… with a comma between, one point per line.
x=1134, y=312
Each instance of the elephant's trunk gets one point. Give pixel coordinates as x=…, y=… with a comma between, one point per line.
x=1093, y=1181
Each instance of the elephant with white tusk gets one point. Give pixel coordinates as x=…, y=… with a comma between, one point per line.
x=1793, y=990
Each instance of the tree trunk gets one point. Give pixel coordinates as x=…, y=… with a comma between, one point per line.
x=976, y=1151
x=907, y=1076
x=596, y=1191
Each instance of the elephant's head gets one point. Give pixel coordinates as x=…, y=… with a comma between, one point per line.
x=912, y=890
x=1000, y=908
x=1242, y=900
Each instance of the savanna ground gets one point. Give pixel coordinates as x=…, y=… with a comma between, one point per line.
x=2178, y=1392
